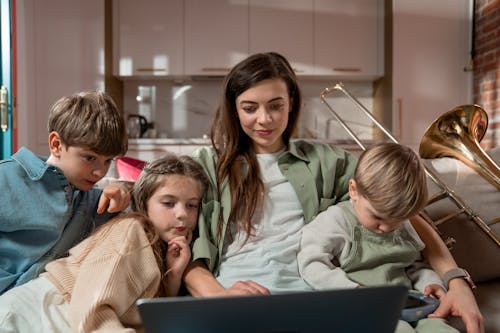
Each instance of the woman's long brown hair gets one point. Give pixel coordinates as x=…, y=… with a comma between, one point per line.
x=237, y=161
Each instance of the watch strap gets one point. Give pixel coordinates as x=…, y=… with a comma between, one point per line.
x=455, y=273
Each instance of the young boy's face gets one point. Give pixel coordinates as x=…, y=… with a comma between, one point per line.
x=81, y=166
x=370, y=218
x=173, y=207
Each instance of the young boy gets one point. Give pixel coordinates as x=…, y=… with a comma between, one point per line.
x=50, y=204
x=369, y=240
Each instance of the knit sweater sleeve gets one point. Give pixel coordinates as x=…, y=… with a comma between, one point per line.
x=118, y=270
x=324, y=239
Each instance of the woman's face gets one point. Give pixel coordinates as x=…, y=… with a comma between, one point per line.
x=263, y=113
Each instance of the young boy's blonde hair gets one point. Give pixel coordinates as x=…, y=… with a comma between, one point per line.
x=90, y=120
x=392, y=178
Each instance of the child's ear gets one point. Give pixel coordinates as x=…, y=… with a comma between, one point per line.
x=353, y=190
x=55, y=144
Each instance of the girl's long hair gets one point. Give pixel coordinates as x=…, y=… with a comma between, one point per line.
x=237, y=161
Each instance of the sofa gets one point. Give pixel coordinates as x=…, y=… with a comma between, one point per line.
x=474, y=248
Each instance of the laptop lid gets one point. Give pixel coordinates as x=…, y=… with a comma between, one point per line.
x=373, y=309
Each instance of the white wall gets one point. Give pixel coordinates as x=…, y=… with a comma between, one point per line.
x=431, y=44
x=60, y=52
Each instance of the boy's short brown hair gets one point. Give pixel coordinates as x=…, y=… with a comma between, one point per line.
x=90, y=120
x=392, y=178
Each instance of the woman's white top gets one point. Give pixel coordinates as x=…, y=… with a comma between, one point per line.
x=269, y=257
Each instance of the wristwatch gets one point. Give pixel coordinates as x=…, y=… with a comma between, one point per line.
x=458, y=273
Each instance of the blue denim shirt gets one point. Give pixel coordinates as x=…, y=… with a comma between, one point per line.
x=41, y=216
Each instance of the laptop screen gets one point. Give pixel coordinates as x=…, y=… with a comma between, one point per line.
x=373, y=309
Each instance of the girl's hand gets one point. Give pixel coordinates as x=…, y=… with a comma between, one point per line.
x=178, y=254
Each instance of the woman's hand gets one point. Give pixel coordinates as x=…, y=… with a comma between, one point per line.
x=248, y=287
x=200, y=282
x=460, y=302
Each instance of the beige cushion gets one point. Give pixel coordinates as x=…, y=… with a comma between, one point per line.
x=474, y=249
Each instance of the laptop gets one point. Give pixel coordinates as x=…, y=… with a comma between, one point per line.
x=373, y=309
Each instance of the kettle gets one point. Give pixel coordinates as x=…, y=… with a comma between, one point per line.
x=137, y=125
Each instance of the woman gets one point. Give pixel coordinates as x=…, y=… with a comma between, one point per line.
x=264, y=188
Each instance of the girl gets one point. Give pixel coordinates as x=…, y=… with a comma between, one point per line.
x=138, y=255
x=264, y=187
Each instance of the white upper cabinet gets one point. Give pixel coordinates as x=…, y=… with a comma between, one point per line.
x=148, y=38
x=216, y=35
x=286, y=27
x=201, y=37
x=349, y=37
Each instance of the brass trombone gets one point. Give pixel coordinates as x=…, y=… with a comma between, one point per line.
x=445, y=191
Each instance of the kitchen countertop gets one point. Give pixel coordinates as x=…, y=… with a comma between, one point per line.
x=169, y=141
x=162, y=144
x=206, y=141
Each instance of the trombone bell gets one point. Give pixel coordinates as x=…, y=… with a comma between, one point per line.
x=457, y=134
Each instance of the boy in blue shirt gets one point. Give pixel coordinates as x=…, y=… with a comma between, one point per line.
x=50, y=204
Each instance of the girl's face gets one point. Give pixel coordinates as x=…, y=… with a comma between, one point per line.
x=173, y=207
x=263, y=113
x=368, y=216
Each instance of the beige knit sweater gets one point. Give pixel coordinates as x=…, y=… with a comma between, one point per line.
x=105, y=275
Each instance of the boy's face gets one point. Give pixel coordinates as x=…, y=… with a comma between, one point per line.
x=82, y=167
x=368, y=216
x=173, y=207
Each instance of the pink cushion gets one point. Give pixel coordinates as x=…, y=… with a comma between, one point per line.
x=129, y=168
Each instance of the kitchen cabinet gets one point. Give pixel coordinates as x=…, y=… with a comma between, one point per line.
x=60, y=47
x=431, y=44
x=207, y=38
x=284, y=26
x=216, y=35
x=148, y=37
x=349, y=37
